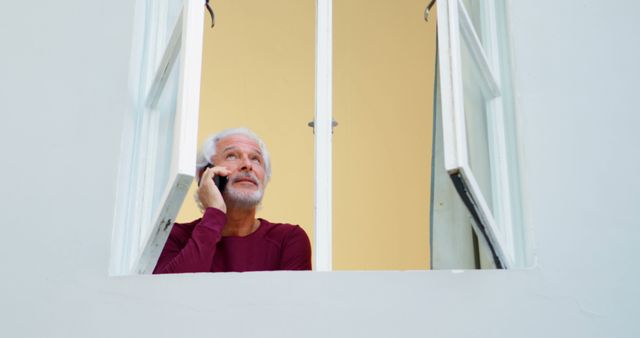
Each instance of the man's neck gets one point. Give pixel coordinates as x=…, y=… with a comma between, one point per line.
x=240, y=222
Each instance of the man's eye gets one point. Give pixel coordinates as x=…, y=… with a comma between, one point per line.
x=257, y=159
x=230, y=157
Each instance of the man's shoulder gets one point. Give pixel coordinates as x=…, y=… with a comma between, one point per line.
x=293, y=243
x=281, y=231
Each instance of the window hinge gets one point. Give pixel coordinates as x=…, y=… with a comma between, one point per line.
x=312, y=124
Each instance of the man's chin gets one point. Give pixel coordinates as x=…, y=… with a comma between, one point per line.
x=246, y=198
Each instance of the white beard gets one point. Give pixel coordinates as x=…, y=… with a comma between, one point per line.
x=243, y=199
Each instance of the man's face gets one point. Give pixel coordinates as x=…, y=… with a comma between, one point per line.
x=242, y=156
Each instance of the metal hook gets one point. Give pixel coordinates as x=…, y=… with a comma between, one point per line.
x=213, y=16
x=427, y=10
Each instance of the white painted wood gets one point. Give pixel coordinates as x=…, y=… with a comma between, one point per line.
x=453, y=23
x=323, y=137
x=522, y=241
x=185, y=135
x=189, y=93
x=450, y=89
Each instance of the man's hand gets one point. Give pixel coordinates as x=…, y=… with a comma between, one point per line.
x=208, y=193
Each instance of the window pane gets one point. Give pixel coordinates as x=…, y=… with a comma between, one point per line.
x=473, y=9
x=164, y=16
x=174, y=8
x=476, y=114
x=161, y=121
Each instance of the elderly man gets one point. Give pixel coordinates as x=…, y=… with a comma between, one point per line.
x=229, y=237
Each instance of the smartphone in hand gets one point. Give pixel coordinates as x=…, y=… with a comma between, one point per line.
x=219, y=181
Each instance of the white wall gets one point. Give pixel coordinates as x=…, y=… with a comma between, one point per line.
x=63, y=71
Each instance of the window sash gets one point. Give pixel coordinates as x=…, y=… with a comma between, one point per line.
x=146, y=203
x=454, y=29
x=186, y=40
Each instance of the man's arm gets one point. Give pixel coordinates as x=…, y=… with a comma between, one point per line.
x=296, y=251
x=192, y=252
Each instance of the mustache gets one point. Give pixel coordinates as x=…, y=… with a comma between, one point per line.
x=244, y=176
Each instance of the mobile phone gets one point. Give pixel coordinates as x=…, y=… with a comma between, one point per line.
x=219, y=181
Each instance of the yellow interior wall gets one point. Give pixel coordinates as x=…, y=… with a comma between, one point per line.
x=258, y=71
x=384, y=66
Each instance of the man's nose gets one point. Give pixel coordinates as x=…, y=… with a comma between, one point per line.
x=246, y=165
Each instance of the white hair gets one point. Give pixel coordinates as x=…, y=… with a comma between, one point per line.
x=208, y=149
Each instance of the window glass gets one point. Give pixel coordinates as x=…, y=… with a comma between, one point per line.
x=473, y=8
x=174, y=8
x=476, y=120
x=160, y=119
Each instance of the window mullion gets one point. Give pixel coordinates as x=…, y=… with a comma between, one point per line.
x=323, y=137
x=450, y=85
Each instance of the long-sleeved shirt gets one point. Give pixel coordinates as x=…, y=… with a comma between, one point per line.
x=200, y=247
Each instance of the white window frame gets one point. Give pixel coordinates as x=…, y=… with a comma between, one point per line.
x=139, y=232
x=323, y=129
x=135, y=250
x=455, y=28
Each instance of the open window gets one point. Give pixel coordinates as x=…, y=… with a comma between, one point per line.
x=474, y=136
x=159, y=145
x=473, y=119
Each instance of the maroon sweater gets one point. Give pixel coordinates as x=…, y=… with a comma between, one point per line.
x=199, y=247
